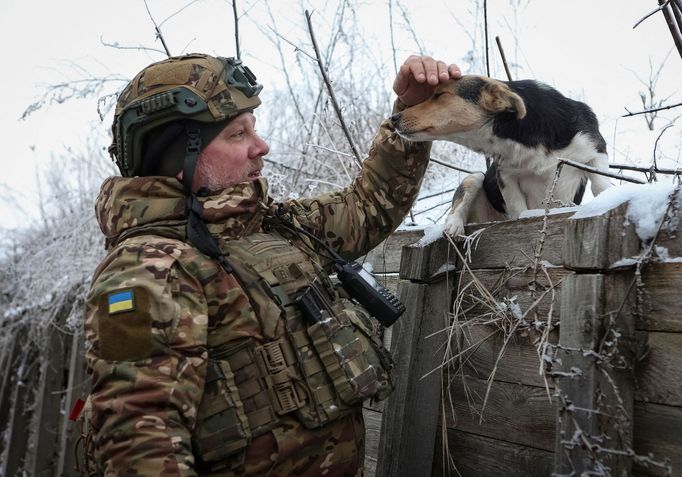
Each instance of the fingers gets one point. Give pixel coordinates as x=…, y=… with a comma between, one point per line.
x=425, y=69
x=418, y=77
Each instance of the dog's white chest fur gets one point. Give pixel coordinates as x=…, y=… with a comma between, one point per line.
x=527, y=173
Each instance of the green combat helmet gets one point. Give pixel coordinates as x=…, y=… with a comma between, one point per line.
x=174, y=106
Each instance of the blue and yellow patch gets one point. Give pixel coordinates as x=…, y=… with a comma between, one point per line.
x=121, y=301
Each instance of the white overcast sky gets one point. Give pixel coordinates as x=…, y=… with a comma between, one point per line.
x=586, y=48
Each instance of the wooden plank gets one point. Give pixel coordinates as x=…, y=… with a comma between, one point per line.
x=411, y=413
x=421, y=262
x=372, y=432
x=513, y=413
x=8, y=380
x=510, y=243
x=589, y=405
x=659, y=299
x=40, y=459
x=659, y=374
x=508, y=286
x=477, y=456
x=385, y=258
x=19, y=419
x=657, y=432
x=520, y=363
x=596, y=243
x=78, y=386
x=671, y=241
x=500, y=245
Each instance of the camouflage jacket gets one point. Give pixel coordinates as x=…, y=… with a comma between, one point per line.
x=148, y=370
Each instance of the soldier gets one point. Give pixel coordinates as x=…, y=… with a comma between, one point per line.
x=216, y=341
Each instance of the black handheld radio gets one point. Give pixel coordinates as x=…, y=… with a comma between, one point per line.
x=358, y=282
x=362, y=286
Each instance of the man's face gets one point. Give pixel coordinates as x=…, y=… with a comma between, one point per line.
x=233, y=156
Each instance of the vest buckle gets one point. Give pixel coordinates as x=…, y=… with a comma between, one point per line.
x=278, y=375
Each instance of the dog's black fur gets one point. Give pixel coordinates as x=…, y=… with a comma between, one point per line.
x=524, y=127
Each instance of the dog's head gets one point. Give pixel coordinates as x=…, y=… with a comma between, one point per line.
x=458, y=106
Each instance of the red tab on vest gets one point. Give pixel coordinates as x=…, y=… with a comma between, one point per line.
x=76, y=410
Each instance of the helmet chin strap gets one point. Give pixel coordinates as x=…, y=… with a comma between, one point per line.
x=197, y=231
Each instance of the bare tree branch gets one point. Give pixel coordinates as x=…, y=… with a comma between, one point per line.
x=653, y=12
x=118, y=46
x=236, y=29
x=177, y=12
x=646, y=170
x=335, y=103
x=62, y=92
x=674, y=27
x=158, y=31
x=392, y=35
x=296, y=47
x=594, y=170
x=650, y=110
x=450, y=166
x=485, y=32
x=655, y=165
x=504, y=58
x=408, y=25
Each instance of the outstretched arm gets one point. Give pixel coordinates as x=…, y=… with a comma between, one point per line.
x=359, y=217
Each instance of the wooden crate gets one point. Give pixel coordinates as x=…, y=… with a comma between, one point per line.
x=530, y=417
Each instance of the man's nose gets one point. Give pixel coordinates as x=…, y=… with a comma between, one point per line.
x=262, y=147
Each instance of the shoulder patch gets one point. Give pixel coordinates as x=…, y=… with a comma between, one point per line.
x=125, y=324
x=121, y=301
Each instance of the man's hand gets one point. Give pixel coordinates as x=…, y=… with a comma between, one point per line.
x=419, y=76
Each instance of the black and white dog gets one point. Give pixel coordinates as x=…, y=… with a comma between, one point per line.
x=524, y=126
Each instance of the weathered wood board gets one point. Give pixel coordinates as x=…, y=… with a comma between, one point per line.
x=519, y=364
x=514, y=412
x=477, y=456
x=658, y=431
x=501, y=245
x=658, y=376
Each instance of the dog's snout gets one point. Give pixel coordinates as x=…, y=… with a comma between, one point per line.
x=396, y=118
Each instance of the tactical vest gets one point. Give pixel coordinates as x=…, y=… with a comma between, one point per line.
x=318, y=371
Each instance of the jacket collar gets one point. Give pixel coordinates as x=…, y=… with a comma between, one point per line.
x=131, y=205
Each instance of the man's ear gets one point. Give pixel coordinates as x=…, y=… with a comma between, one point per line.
x=496, y=97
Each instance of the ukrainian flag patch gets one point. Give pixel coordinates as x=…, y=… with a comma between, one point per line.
x=121, y=301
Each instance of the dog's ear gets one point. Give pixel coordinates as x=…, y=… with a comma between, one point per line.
x=496, y=97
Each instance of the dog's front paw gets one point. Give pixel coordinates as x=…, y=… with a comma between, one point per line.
x=454, y=226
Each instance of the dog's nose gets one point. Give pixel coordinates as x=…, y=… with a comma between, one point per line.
x=395, y=118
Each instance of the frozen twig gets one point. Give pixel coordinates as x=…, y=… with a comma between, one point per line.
x=651, y=13
x=504, y=58
x=460, y=169
x=646, y=170
x=236, y=29
x=646, y=111
x=594, y=170
x=335, y=103
x=159, y=35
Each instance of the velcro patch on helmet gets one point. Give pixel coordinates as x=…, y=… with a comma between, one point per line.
x=125, y=325
x=161, y=74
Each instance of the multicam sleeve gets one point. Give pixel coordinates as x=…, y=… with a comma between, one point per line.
x=145, y=326
x=357, y=218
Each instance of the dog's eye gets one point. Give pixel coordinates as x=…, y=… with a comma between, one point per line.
x=438, y=95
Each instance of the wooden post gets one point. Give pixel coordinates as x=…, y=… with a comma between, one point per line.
x=40, y=458
x=596, y=243
x=595, y=383
x=77, y=387
x=20, y=415
x=411, y=413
